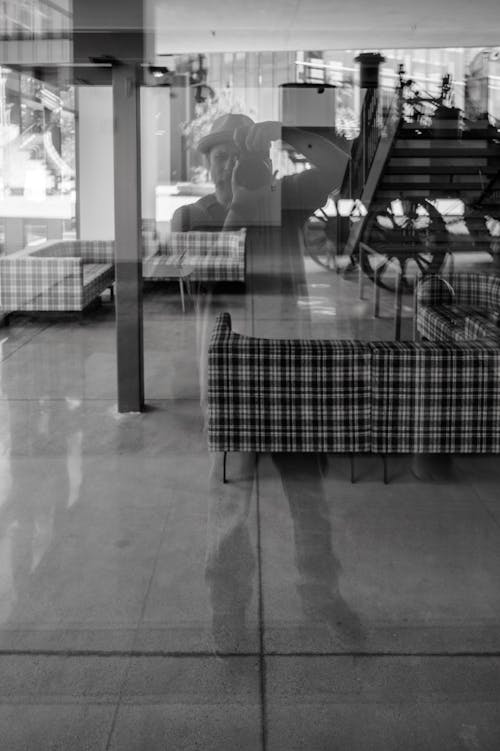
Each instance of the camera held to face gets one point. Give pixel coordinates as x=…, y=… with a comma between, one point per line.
x=253, y=170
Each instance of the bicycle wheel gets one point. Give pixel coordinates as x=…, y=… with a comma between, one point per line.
x=320, y=238
x=404, y=244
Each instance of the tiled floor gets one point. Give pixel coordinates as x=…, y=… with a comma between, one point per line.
x=145, y=605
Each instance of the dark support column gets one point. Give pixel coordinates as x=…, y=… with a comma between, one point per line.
x=128, y=289
x=369, y=64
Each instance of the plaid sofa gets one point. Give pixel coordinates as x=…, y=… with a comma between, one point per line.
x=459, y=307
x=60, y=275
x=350, y=396
x=214, y=256
x=435, y=397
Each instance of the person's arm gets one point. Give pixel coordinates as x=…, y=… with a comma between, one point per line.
x=318, y=150
x=180, y=220
x=306, y=190
x=309, y=190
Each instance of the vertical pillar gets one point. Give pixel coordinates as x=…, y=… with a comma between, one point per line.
x=369, y=64
x=127, y=190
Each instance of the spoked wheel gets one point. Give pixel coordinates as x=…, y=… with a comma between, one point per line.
x=404, y=244
x=320, y=238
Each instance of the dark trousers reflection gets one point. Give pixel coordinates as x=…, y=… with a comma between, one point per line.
x=231, y=558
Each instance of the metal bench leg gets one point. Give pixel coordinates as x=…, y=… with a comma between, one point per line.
x=181, y=287
x=224, y=478
x=361, y=276
x=376, y=291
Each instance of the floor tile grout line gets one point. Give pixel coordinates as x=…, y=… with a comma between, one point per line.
x=125, y=653
x=378, y=654
x=204, y=654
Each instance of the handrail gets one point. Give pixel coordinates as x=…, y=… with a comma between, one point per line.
x=490, y=187
x=374, y=118
x=28, y=134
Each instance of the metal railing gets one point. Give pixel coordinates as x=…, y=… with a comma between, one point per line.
x=380, y=112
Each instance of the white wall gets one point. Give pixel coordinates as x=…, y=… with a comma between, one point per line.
x=155, y=143
x=95, y=179
x=95, y=184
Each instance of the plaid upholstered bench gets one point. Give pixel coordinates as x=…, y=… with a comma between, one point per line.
x=272, y=395
x=213, y=256
x=61, y=275
x=459, y=307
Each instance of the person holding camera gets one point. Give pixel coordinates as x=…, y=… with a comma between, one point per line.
x=247, y=192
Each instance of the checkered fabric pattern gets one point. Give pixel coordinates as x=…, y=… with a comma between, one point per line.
x=472, y=292
x=477, y=327
x=149, y=225
x=96, y=251
x=29, y=283
x=90, y=251
x=287, y=395
x=215, y=256
x=442, y=322
x=56, y=276
x=435, y=397
x=53, y=249
x=435, y=290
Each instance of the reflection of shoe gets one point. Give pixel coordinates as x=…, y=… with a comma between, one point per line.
x=229, y=631
x=334, y=612
x=345, y=622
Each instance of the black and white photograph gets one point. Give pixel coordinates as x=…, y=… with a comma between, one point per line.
x=249, y=375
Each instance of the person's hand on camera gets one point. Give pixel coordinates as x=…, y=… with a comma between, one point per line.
x=257, y=139
x=255, y=203
x=255, y=192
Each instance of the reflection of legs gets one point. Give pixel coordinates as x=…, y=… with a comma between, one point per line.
x=317, y=563
x=303, y=486
x=37, y=502
x=230, y=561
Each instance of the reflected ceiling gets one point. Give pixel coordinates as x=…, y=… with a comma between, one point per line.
x=212, y=25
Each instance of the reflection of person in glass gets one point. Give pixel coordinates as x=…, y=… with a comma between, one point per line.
x=231, y=562
x=247, y=194
x=237, y=154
